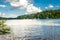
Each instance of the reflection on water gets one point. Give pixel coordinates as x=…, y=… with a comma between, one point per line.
x=35, y=29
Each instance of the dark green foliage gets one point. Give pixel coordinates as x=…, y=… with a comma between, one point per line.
x=47, y=14
x=3, y=28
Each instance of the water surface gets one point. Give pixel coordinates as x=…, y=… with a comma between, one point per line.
x=32, y=29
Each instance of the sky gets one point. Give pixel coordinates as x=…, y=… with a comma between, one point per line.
x=14, y=8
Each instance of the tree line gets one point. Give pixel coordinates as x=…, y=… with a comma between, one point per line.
x=47, y=14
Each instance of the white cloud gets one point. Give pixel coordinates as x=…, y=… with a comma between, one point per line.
x=8, y=16
x=21, y=4
x=16, y=3
x=32, y=8
x=50, y=6
x=3, y=6
x=25, y=4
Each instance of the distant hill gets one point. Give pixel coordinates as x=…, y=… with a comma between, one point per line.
x=2, y=18
x=47, y=14
x=7, y=18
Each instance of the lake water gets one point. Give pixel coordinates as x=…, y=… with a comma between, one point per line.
x=32, y=29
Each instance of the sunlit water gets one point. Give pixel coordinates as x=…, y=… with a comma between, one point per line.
x=32, y=29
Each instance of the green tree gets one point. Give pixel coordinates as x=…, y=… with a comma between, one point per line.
x=4, y=29
x=47, y=14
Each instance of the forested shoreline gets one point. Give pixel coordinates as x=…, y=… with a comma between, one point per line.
x=47, y=14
